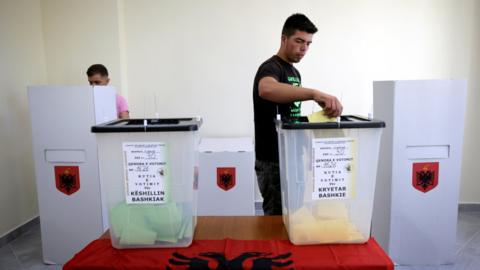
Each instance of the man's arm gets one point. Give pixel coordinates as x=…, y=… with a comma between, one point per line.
x=270, y=89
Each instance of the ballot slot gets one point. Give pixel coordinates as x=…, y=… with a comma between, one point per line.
x=435, y=152
x=65, y=155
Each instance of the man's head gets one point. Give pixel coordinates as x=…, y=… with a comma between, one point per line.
x=297, y=34
x=98, y=75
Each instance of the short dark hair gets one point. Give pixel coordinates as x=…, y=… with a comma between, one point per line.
x=299, y=22
x=97, y=69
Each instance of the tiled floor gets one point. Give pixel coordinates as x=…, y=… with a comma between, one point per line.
x=468, y=245
x=25, y=252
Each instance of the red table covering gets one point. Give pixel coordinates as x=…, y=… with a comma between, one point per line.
x=233, y=254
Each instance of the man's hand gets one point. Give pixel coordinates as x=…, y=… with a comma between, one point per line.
x=330, y=104
x=124, y=115
x=270, y=89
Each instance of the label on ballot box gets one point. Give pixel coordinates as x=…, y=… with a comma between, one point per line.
x=334, y=168
x=146, y=172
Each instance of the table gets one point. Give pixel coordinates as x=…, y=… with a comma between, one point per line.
x=242, y=228
x=253, y=242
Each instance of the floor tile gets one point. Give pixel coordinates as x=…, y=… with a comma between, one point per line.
x=468, y=229
x=44, y=267
x=8, y=261
x=441, y=267
x=28, y=249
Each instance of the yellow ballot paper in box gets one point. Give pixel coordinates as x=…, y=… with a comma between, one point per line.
x=323, y=224
x=320, y=117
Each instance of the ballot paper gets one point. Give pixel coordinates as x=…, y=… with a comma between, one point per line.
x=321, y=117
x=147, y=224
x=323, y=223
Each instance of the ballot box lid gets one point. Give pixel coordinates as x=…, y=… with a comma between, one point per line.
x=149, y=125
x=346, y=121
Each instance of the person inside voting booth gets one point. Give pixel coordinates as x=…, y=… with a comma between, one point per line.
x=98, y=75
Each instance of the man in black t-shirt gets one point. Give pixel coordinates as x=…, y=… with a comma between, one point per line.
x=277, y=90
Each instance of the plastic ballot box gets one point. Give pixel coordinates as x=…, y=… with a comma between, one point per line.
x=416, y=201
x=148, y=168
x=327, y=173
x=66, y=165
x=226, y=182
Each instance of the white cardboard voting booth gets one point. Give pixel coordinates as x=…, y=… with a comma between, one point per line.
x=416, y=199
x=66, y=165
x=226, y=177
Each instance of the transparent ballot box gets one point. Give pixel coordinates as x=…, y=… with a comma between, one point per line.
x=328, y=173
x=148, y=174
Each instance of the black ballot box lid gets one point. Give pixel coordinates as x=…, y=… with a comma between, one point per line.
x=148, y=125
x=346, y=121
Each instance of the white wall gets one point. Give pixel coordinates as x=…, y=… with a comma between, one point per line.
x=78, y=34
x=22, y=63
x=199, y=58
x=186, y=57
x=470, y=186
x=362, y=41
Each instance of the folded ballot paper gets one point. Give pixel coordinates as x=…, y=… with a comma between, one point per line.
x=146, y=224
x=325, y=222
x=321, y=117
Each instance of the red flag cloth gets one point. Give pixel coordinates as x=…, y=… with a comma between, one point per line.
x=234, y=254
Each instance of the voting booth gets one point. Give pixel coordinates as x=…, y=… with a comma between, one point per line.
x=327, y=173
x=66, y=165
x=148, y=168
x=226, y=185
x=416, y=200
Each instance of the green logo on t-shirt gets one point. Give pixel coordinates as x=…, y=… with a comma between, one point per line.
x=293, y=80
x=295, y=108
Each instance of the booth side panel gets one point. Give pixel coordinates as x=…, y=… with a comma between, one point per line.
x=427, y=139
x=383, y=109
x=61, y=118
x=104, y=98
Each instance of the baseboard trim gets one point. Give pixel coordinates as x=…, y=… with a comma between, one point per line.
x=464, y=207
x=15, y=233
x=258, y=208
x=469, y=207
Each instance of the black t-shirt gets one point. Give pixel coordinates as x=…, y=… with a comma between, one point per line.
x=265, y=112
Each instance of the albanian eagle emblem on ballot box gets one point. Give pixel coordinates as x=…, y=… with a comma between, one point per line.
x=425, y=176
x=226, y=178
x=67, y=179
